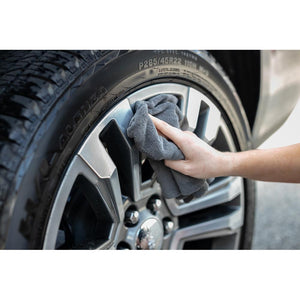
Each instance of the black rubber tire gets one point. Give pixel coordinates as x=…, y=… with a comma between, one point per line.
x=50, y=100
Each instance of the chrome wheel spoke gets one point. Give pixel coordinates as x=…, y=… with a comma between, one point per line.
x=228, y=224
x=222, y=191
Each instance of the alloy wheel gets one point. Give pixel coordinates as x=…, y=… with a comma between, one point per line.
x=109, y=197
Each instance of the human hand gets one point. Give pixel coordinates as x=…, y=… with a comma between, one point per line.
x=201, y=160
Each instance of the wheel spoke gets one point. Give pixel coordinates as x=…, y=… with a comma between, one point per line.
x=212, y=122
x=203, y=116
x=108, y=245
x=106, y=183
x=222, y=191
x=98, y=160
x=60, y=202
x=121, y=149
x=192, y=108
x=217, y=227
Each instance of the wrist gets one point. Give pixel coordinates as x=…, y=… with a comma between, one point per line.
x=228, y=164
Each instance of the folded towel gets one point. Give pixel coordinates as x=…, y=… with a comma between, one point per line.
x=158, y=148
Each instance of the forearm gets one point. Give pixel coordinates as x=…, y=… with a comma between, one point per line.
x=279, y=164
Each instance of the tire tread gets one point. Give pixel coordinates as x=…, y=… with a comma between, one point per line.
x=30, y=84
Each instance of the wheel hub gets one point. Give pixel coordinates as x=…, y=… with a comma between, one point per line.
x=150, y=234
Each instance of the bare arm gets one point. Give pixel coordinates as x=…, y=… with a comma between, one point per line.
x=203, y=161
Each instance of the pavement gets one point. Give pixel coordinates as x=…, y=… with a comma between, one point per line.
x=277, y=221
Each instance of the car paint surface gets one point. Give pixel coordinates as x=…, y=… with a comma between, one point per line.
x=279, y=91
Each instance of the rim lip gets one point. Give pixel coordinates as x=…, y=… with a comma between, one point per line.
x=101, y=123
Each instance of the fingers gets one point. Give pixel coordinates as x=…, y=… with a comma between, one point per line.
x=181, y=166
x=173, y=133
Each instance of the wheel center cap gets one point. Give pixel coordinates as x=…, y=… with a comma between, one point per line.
x=150, y=235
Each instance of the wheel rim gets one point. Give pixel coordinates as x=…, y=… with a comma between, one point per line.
x=109, y=197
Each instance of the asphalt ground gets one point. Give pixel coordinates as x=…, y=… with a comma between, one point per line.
x=277, y=220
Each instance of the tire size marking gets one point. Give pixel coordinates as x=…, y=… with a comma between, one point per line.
x=170, y=60
x=155, y=61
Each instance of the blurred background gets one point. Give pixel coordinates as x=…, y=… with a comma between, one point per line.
x=277, y=224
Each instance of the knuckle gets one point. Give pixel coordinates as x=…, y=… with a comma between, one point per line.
x=180, y=139
x=187, y=169
x=189, y=136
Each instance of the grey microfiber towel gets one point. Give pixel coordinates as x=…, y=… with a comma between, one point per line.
x=158, y=148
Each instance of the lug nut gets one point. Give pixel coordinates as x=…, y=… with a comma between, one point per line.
x=154, y=205
x=131, y=217
x=168, y=226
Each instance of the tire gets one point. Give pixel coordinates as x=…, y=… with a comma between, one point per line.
x=52, y=100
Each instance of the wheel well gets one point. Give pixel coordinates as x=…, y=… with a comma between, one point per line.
x=243, y=69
